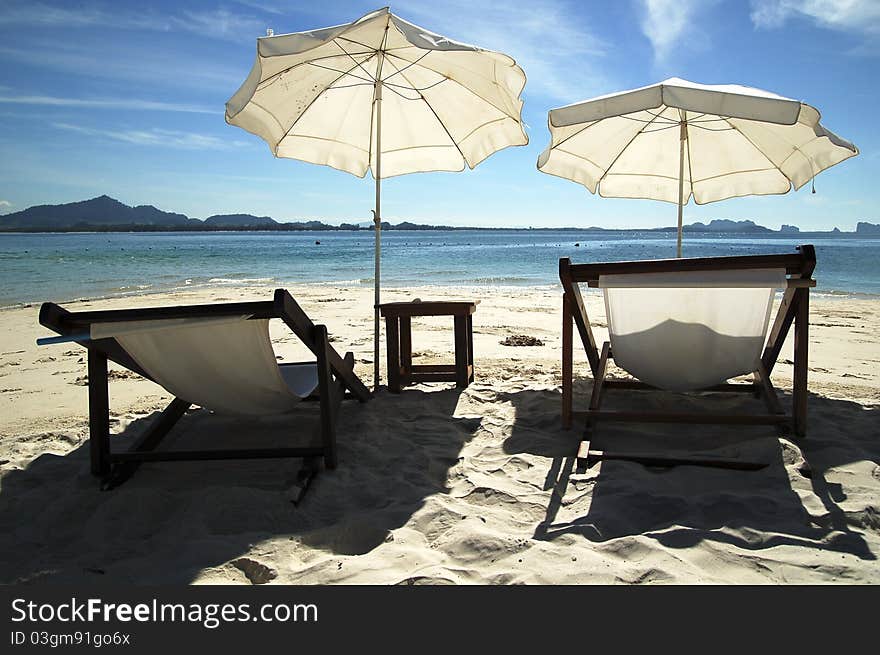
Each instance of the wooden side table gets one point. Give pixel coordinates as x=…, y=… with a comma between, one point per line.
x=398, y=333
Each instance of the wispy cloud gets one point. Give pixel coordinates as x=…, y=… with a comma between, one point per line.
x=39, y=14
x=665, y=22
x=158, y=137
x=107, y=103
x=135, y=63
x=562, y=58
x=861, y=16
x=266, y=7
x=5, y=205
x=220, y=24
x=215, y=23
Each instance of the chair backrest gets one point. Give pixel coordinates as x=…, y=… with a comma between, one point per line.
x=688, y=330
x=225, y=364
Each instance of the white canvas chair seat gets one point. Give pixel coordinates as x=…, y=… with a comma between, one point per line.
x=222, y=364
x=685, y=331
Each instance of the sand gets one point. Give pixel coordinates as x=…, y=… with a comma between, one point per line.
x=437, y=485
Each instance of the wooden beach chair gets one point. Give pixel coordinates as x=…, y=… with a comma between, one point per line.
x=217, y=356
x=689, y=324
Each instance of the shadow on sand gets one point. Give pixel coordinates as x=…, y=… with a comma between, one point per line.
x=173, y=520
x=684, y=505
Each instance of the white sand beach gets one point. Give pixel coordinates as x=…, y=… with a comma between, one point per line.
x=437, y=485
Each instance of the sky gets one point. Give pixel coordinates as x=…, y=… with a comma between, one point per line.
x=127, y=99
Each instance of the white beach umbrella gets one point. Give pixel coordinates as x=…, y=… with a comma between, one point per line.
x=678, y=139
x=383, y=95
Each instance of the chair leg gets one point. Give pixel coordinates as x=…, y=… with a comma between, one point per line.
x=567, y=373
x=148, y=441
x=801, y=348
x=99, y=414
x=327, y=394
x=583, y=453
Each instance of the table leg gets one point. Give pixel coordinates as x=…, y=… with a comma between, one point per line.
x=470, y=342
x=393, y=339
x=461, y=352
x=405, y=350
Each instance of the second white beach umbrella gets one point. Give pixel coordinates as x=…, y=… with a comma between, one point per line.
x=678, y=139
x=383, y=95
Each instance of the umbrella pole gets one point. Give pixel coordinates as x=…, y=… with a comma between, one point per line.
x=377, y=223
x=682, y=140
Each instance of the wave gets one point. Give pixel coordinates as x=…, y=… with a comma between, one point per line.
x=240, y=280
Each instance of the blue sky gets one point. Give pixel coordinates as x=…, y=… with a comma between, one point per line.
x=127, y=99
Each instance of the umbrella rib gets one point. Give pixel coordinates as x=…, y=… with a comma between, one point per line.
x=268, y=113
x=712, y=129
x=400, y=70
x=751, y=170
x=373, y=48
x=577, y=156
x=304, y=111
x=773, y=164
x=690, y=169
x=583, y=129
x=357, y=63
x=628, y=143
x=659, y=129
x=466, y=88
x=639, y=120
x=439, y=120
x=481, y=126
x=363, y=79
x=795, y=150
x=303, y=63
x=664, y=177
x=324, y=138
x=586, y=127
x=411, y=88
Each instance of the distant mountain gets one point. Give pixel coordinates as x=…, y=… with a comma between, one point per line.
x=239, y=220
x=100, y=211
x=726, y=226
x=105, y=214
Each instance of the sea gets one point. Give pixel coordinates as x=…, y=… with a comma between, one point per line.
x=75, y=266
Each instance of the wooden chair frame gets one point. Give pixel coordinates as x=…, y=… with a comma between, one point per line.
x=335, y=376
x=794, y=309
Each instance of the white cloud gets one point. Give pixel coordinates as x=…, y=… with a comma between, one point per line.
x=664, y=22
x=5, y=205
x=262, y=6
x=220, y=24
x=107, y=103
x=562, y=58
x=215, y=23
x=861, y=16
x=158, y=137
x=137, y=62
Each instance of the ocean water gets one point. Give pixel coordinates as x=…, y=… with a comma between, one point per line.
x=63, y=267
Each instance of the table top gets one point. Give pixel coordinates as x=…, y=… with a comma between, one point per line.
x=430, y=308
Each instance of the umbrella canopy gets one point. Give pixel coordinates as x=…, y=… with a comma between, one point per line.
x=383, y=95
x=678, y=139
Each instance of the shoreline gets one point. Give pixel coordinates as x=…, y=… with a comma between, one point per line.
x=816, y=293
